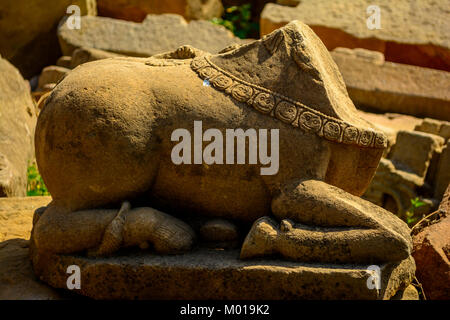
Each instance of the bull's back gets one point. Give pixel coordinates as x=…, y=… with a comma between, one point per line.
x=103, y=136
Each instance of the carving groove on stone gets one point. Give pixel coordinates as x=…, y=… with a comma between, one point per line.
x=285, y=109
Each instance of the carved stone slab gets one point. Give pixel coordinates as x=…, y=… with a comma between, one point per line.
x=218, y=274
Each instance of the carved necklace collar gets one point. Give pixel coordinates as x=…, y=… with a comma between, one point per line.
x=285, y=109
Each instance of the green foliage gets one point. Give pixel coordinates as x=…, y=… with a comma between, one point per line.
x=415, y=203
x=35, y=184
x=238, y=20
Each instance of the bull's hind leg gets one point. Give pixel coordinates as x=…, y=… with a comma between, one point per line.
x=103, y=232
x=322, y=223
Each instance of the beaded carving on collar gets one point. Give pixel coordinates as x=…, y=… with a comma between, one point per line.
x=285, y=109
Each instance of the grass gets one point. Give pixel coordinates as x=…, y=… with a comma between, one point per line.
x=35, y=184
x=411, y=217
x=238, y=19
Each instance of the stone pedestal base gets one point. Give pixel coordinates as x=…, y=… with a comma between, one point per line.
x=217, y=274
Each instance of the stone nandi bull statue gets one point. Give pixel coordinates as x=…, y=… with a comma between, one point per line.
x=103, y=138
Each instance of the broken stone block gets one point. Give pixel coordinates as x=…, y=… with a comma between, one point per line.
x=83, y=55
x=413, y=151
x=291, y=3
x=437, y=127
x=429, y=125
x=156, y=34
x=17, y=123
x=432, y=253
x=64, y=62
x=384, y=192
x=442, y=177
x=391, y=124
x=28, y=31
x=445, y=130
x=51, y=75
x=409, y=172
x=137, y=10
x=406, y=34
x=370, y=56
x=391, y=87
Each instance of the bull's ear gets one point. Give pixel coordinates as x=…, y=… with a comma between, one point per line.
x=273, y=40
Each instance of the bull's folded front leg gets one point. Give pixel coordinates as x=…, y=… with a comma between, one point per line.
x=102, y=232
x=322, y=223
